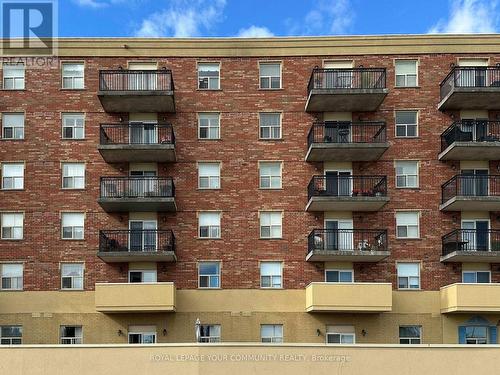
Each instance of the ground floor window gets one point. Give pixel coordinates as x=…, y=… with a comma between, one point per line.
x=340, y=335
x=410, y=334
x=271, y=333
x=477, y=331
x=11, y=335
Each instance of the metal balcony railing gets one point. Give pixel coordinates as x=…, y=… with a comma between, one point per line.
x=136, y=80
x=137, y=187
x=354, y=78
x=470, y=77
x=471, y=131
x=471, y=240
x=136, y=134
x=347, y=240
x=470, y=186
x=347, y=132
x=347, y=186
x=136, y=241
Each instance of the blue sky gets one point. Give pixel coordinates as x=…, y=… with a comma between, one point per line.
x=258, y=18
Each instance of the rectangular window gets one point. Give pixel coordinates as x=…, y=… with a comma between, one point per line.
x=407, y=224
x=209, y=274
x=209, y=333
x=73, y=76
x=270, y=75
x=73, y=126
x=209, y=175
x=13, y=125
x=340, y=335
x=12, y=226
x=407, y=174
x=13, y=76
x=12, y=276
x=479, y=277
x=476, y=335
x=209, y=224
x=72, y=225
x=406, y=73
x=408, y=275
x=271, y=275
x=270, y=175
x=406, y=123
x=339, y=276
x=139, y=276
x=73, y=175
x=270, y=125
x=72, y=276
x=271, y=333
x=208, y=76
x=209, y=125
x=12, y=176
x=142, y=335
x=11, y=335
x=270, y=224
x=71, y=335
x=410, y=334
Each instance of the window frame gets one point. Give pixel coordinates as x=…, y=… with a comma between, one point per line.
x=272, y=276
x=341, y=335
x=201, y=63
x=211, y=339
x=72, y=340
x=210, y=276
x=142, y=334
x=419, y=276
x=14, y=78
x=270, y=128
x=2, y=237
x=13, y=137
x=19, y=283
x=210, y=178
x=142, y=271
x=63, y=63
x=273, y=339
x=2, y=165
x=417, y=130
x=476, y=272
x=210, y=227
x=417, y=175
x=351, y=271
x=410, y=339
x=209, y=127
x=72, y=277
x=280, y=63
x=73, y=115
x=72, y=238
x=11, y=338
x=270, y=177
x=417, y=63
x=73, y=177
x=418, y=226
x=270, y=237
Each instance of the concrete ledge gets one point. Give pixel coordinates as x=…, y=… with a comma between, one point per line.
x=336, y=203
x=346, y=151
x=140, y=204
x=471, y=98
x=365, y=256
x=471, y=151
x=470, y=298
x=138, y=153
x=463, y=203
x=137, y=101
x=350, y=100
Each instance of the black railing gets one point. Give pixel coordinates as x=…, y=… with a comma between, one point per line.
x=470, y=77
x=136, y=134
x=137, y=187
x=347, y=132
x=471, y=186
x=347, y=240
x=136, y=240
x=354, y=78
x=471, y=240
x=136, y=80
x=471, y=131
x=347, y=186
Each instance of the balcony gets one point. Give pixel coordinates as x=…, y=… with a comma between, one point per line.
x=137, y=142
x=347, y=141
x=347, y=245
x=347, y=193
x=471, y=245
x=137, y=194
x=136, y=91
x=471, y=140
x=471, y=88
x=137, y=297
x=118, y=246
x=351, y=90
x=349, y=297
x=471, y=193
x=470, y=298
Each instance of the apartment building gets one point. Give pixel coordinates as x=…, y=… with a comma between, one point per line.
x=298, y=190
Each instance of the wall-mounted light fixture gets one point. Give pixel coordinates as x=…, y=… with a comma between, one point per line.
x=318, y=332
x=164, y=332
x=120, y=332
x=363, y=332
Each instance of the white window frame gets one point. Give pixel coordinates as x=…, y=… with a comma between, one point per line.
x=143, y=271
x=276, y=337
x=210, y=125
x=269, y=78
x=209, y=79
x=416, y=175
x=13, y=127
x=11, y=339
x=16, y=282
x=73, y=278
x=405, y=75
x=72, y=78
x=475, y=272
x=211, y=339
x=142, y=334
x=341, y=336
x=66, y=340
x=210, y=276
x=73, y=228
x=407, y=225
x=14, y=78
x=73, y=178
x=339, y=270
x=269, y=127
x=406, y=125
x=271, y=177
x=409, y=277
x=209, y=178
x=75, y=116
x=272, y=214
x=272, y=277
x=411, y=340
x=13, y=178
x=2, y=219
x=210, y=228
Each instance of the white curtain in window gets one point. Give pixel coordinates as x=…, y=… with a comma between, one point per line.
x=270, y=169
x=12, y=220
x=270, y=268
x=211, y=69
x=12, y=270
x=74, y=70
x=270, y=70
x=406, y=67
x=72, y=269
x=407, y=218
x=73, y=219
x=73, y=169
x=13, y=170
x=208, y=169
x=209, y=219
x=408, y=269
x=13, y=70
x=13, y=119
x=270, y=218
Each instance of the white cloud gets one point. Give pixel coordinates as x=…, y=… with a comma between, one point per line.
x=91, y=3
x=469, y=16
x=255, y=32
x=183, y=18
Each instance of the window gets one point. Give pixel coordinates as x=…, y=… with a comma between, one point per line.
x=270, y=75
x=72, y=224
x=142, y=335
x=12, y=176
x=13, y=76
x=270, y=125
x=406, y=174
x=12, y=226
x=73, y=126
x=13, y=126
x=139, y=276
x=408, y=275
x=12, y=276
x=73, y=76
x=209, y=175
x=208, y=76
x=271, y=333
x=72, y=276
x=209, y=125
x=11, y=335
x=340, y=335
x=209, y=275
x=474, y=277
x=406, y=73
x=407, y=224
x=476, y=335
x=270, y=275
x=270, y=175
x=209, y=224
x=270, y=224
x=406, y=124
x=71, y=335
x=73, y=175
x=339, y=276
x=209, y=333
x=410, y=334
